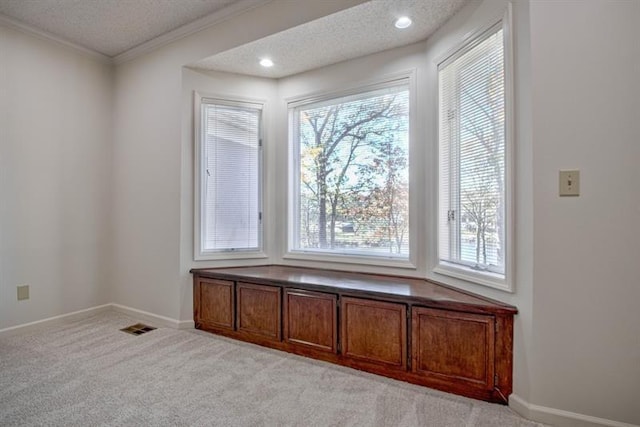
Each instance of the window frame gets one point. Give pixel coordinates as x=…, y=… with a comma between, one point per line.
x=407, y=78
x=441, y=268
x=199, y=254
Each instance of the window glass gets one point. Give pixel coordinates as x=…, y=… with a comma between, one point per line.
x=472, y=118
x=230, y=181
x=351, y=174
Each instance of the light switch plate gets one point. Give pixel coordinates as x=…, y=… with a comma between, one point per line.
x=569, y=183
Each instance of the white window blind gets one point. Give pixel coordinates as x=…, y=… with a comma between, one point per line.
x=230, y=181
x=350, y=178
x=472, y=155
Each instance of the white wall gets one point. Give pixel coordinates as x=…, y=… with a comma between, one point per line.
x=55, y=178
x=585, y=353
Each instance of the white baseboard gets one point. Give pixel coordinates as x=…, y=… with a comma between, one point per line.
x=153, y=319
x=68, y=317
x=559, y=417
x=186, y=324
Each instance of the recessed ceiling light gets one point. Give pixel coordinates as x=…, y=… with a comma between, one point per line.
x=403, y=22
x=266, y=62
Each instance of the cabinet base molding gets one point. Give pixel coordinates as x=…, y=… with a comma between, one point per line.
x=408, y=329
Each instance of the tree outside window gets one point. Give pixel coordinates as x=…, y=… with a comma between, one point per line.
x=352, y=190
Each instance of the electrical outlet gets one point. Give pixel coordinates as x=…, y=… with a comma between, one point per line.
x=570, y=183
x=23, y=292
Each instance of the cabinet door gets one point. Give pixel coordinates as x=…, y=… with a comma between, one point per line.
x=259, y=310
x=374, y=331
x=450, y=346
x=310, y=319
x=214, y=303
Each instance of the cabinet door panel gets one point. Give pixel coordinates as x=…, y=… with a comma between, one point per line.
x=215, y=303
x=310, y=319
x=259, y=310
x=374, y=331
x=455, y=346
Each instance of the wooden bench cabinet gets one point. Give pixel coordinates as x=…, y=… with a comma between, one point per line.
x=374, y=332
x=310, y=320
x=259, y=311
x=453, y=347
x=409, y=329
x=214, y=306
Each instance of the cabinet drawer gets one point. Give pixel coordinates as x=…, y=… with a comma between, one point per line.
x=310, y=319
x=374, y=331
x=259, y=310
x=451, y=347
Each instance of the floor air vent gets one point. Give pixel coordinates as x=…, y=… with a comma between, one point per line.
x=138, y=329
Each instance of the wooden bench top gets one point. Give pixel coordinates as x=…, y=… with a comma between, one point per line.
x=394, y=288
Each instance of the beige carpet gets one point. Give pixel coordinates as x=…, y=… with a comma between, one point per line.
x=88, y=373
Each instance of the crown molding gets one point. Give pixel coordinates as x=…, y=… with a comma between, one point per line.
x=189, y=29
x=47, y=36
x=146, y=47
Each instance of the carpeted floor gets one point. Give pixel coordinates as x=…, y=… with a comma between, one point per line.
x=88, y=373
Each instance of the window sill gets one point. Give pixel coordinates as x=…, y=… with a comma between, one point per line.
x=485, y=278
x=389, y=262
x=230, y=255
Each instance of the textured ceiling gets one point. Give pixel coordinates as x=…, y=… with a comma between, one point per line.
x=110, y=27
x=358, y=31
